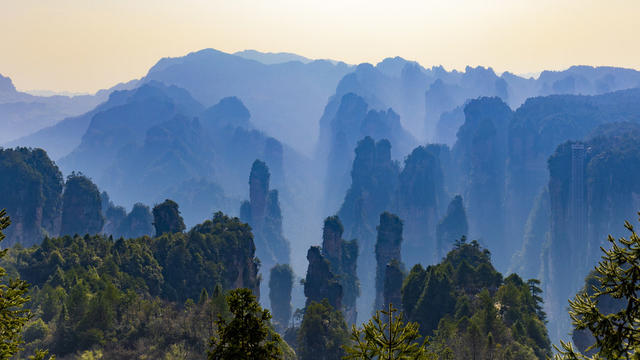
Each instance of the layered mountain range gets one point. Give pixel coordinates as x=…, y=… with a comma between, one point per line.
x=520, y=164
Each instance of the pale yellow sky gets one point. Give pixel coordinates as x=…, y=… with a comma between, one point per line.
x=86, y=45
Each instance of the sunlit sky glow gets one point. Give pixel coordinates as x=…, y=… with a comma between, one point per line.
x=86, y=45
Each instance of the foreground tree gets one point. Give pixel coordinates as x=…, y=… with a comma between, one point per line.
x=323, y=332
x=13, y=316
x=247, y=335
x=12, y=298
x=617, y=334
x=387, y=337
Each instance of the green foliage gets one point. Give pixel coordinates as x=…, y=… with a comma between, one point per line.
x=323, y=333
x=387, y=337
x=617, y=334
x=130, y=298
x=13, y=316
x=167, y=219
x=464, y=304
x=35, y=201
x=247, y=335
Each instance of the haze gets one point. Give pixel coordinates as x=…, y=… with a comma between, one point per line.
x=83, y=46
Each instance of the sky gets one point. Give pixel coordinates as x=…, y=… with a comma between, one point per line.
x=87, y=45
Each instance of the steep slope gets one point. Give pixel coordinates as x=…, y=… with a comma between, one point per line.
x=285, y=98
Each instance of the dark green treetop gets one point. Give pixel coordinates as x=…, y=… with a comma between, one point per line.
x=247, y=335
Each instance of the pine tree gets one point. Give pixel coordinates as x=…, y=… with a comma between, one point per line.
x=617, y=334
x=13, y=316
x=387, y=337
x=247, y=335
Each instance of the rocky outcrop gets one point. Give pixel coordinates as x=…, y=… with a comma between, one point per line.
x=343, y=258
x=262, y=212
x=352, y=121
x=480, y=154
x=452, y=227
x=32, y=195
x=388, y=247
x=373, y=181
x=321, y=283
x=81, y=207
x=591, y=193
x=419, y=201
x=167, y=218
x=280, y=285
x=393, y=280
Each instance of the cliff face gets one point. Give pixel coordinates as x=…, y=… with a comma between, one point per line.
x=452, y=227
x=388, y=247
x=480, y=153
x=343, y=258
x=320, y=282
x=590, y=190
x=352, y=121
x=393, y=280
x=32, y=195
x=262, y=213
x=280, y=285
x=419, y=199
x=374, y=177
x=167, y=218
x=82, y=207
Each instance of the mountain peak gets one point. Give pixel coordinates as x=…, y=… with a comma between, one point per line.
x=6, y=85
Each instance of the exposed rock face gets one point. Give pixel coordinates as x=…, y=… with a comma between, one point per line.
x=32, y=195
x=82, y=207
x=320, y=282
x=419, y=200
x=528, y=262
x=262, y=212
x=352, y=121
x=374, y=178
x=388, y=248
x=481, y=152
x=167, y=219
x=343, y=257
x=590, y=190
x=393, y=279
x=280, y=285
x=139, y=222
x=452, y=227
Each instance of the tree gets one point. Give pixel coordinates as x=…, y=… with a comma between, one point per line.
x=323, y=332
x=247, y=335
x=12, y=298
x=13, y=316
x=387, y=337
x=617, y=334
x=167, y=219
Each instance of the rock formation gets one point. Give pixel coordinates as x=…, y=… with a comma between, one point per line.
x=32, y=195
x=480, y=153
x=452, y=227
x=320, y=282
x=343, y=258
x=419, y=200
x=280, y=285
x=388, y=247
x=81, y=207
x=167, y=219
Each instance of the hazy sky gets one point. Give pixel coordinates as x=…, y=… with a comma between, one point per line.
x=85, y=45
